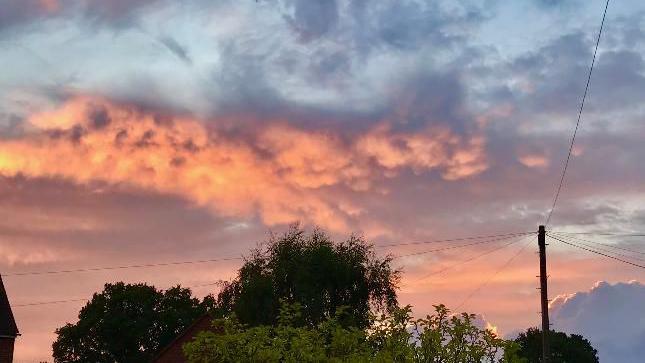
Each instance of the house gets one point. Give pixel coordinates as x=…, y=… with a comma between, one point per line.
x=173, y=352
x=8, y=328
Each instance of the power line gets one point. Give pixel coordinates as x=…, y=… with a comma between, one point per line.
x=453, y=247
x=455, y=239
x=176, y=263
x=638, y=234
x=596, y=252
x=47, y=303
x=606, y=245
x=582, y=105
x=107, y=268
x=607, y=250
x=492, y=277
x=54, y=302
x=39, y=303
x=472, y=258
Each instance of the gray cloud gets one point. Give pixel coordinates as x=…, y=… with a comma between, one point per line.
x=177, y=49
x=432, y=84
x=313, y=18
x=409, y=26
x=99, y=117
x=113, y=13
x=611, y=316
x=551, y=80
x=556, y=4
x=18, y=11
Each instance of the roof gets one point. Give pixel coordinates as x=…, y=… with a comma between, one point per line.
x=173, y=352
x=7, y=322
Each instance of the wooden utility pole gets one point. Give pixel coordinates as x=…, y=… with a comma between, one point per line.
x=544, y=296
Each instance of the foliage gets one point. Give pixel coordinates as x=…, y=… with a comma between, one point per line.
x=564, y=348
x=315, y=273
x=393, y=337
x=127, y=323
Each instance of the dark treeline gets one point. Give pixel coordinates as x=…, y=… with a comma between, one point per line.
x=300, y=297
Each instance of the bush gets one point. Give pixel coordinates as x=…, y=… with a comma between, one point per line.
x=391, y=337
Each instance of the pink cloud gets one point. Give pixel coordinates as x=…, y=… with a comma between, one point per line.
x=282, y=174
x=534, y=161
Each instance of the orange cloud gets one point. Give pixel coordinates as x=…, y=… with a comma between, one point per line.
x=534, y=161
x=437, y=148
x=283, y=174
x=51, y=6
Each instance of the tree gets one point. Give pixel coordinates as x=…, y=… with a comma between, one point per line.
x=127, y=323
x=315, y=273
x=564, y=348
x=392, y=337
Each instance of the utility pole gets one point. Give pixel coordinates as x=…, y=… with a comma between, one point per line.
x=544, y=297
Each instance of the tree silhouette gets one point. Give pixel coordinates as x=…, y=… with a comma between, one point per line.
x=564, y=348
x=314, y=272
x=127, y=323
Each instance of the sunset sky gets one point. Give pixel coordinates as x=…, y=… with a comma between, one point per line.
x=152, y=131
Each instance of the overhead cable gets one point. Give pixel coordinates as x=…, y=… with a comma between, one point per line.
x=596, y=252
x=575, y=131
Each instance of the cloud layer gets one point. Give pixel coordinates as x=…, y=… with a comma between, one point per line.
x=611, y=316
x=282, y=173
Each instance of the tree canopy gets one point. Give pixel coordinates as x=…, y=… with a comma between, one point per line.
x=300, y=297
x=127, y=323
x=392, y=337
x=314, y=272
x=564, y=348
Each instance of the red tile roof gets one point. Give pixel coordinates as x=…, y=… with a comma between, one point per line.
x=173, y=352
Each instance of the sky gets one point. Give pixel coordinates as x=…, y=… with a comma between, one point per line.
x=149, y=131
